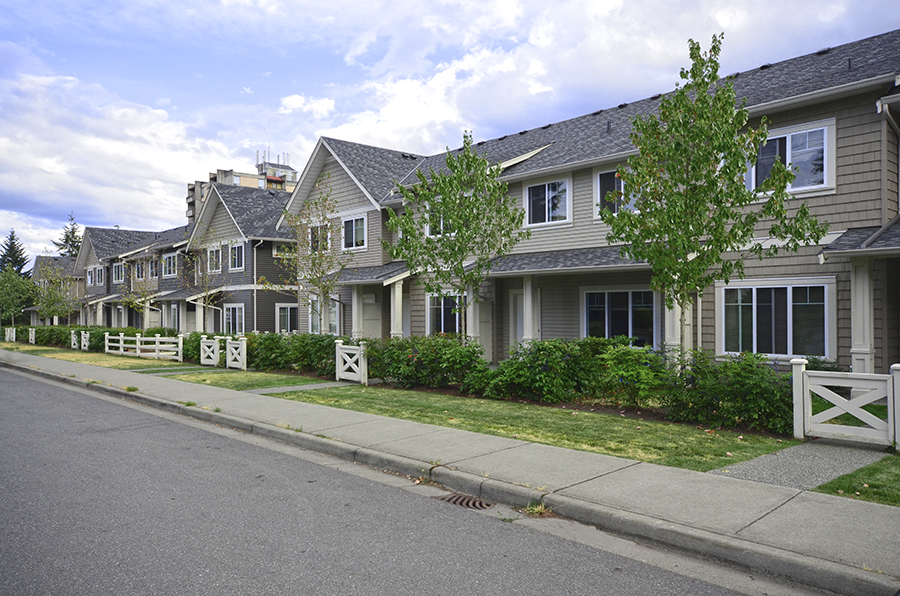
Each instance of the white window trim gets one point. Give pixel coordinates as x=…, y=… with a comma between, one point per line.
x=829, y=125
x=337, y=315
x=278, y=307
x=234, y=305
x=139, y=272
x=209, y=260
x=365, y=244
x=90, y=277
x=98, y=277
x=547, y=180
x=118, y=273
x=658, y=307
x=782, y=282
x=596, y=188
x=231, y=247
x=153, y=268
x=174, y=271
x=459, y=316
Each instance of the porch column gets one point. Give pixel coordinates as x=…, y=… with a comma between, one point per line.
x=397, y=309
x=672, y=326
x=862, y=320
x=200, y=318
x=356, y=313
x=528, y=333
x=473, y=318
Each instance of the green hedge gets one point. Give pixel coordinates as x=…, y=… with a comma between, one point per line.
x=435, y=361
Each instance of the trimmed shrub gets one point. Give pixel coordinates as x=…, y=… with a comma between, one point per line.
x=632, y=375
x=434, y=361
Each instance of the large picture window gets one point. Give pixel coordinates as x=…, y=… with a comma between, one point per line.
x=779, y=320
x=547, y=203
x=628, y=313
x=807, y=153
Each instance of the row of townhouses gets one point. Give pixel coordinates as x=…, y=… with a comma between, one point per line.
x=833, y=114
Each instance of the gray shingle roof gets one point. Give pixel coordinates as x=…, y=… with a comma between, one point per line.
x=561, y=260
x=374, y=275
x=376, y=169
x=109, y=242
x=605, y=133
x=255, y=210
x=852, y=239
x=64, y=264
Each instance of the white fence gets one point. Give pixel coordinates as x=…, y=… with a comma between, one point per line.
x=209, y=351
x=350, y=362
x=235, y=352
x=10, y=334
x=31, y=336
x=161, y=348
x=846, y=393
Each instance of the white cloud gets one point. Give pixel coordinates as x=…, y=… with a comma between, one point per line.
x=320, y=107
x=247, y=90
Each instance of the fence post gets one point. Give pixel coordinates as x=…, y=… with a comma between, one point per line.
x=243, y=340
x=363, y=364
x=893, y=403
x=121, y=343
x=180, y=347
x=337, y=359
x=137, y=344
x=798, y=367
x=74, y=343
x=85, y=340
x=31, y=336
x=156, y=347
x=106, y=342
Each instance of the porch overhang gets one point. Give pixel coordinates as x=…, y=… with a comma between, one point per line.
x=601, y=259
x=385, y=275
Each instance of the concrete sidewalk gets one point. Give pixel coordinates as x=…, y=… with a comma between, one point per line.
x=838, y=544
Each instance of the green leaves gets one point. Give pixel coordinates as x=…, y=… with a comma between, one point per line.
x=695, y=220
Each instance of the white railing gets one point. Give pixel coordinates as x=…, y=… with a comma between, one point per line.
x=209, y=351
x=862, y=389
x=236, y=353
x=161, y=348
x=350, y=362
x=10, y=334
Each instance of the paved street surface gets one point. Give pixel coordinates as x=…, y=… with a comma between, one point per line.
x=840, y=544
x=99, y=498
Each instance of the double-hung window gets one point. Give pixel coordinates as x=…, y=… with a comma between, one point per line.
x=90, y=277
x=807, y=152
x=629, y=313
x=170, y=265
x=153, y=266
x=287, y=318
x=236, y=257
x=548, y=202
x=118, y=273
x=234, y=319
x=319, y=240
x=781, y=320
x=99, y=278
x=214, y=259
x=442, y=314
x=139, y=270
x=355, y=233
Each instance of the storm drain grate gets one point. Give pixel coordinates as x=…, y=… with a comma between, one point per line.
x=466, y=501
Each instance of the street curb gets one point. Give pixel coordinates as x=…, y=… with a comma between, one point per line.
x=818, y=573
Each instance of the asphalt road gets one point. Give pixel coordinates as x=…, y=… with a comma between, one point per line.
x=102, y=497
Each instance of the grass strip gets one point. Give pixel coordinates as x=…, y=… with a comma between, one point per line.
x=665, y=443
x=113, y=361
x=243, y=380
x=877, y=483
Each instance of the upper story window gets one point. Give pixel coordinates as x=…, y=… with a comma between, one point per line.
x=236, y=258
x=548, y=202
x=236, y=180
x=319, y=239
x=261, y=183
x=609, y=182
x=99, y=277
x=139, y=269
x=118, y=273
x=354, y=233
x=437, y=225
x=170, y=265
x=214, y=259
x=90, y=277
x=809, y=151
x=153, y=267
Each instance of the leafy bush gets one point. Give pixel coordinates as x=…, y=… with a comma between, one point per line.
x=745, y=390
x=431, y=361
x=633, y=375
x=544, y=370
x=191, y=347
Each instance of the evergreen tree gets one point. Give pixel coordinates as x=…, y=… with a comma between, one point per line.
x=12, y=254
x=70, y=242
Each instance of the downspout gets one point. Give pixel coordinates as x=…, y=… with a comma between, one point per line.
x=255, y=327
x=883, y=108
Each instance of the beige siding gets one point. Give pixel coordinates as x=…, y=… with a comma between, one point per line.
x=221, y=226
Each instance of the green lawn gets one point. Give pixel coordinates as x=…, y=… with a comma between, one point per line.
x=878, y=483
x=241, y=380
x=665, y=443
x=96, y=358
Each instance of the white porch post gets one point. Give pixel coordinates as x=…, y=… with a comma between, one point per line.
x=528, y=331
x=862, y=321
x=397, y=309
x=473, y=317
x=672, y=327
x=356, y=313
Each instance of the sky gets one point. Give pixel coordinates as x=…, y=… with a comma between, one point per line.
x=108, y=109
